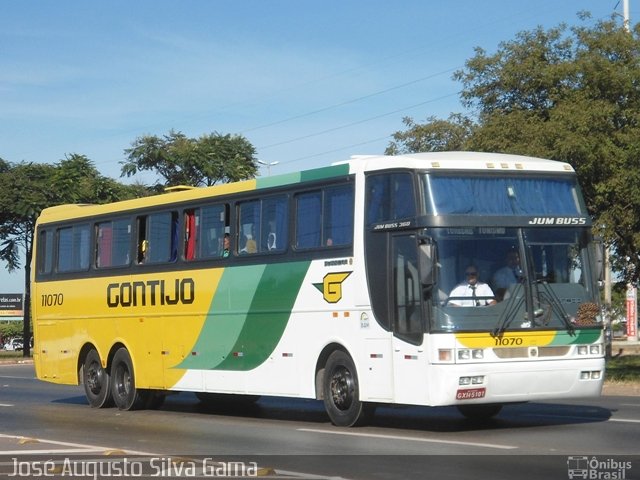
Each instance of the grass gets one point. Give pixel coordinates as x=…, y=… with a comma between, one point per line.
x=624, y=369
x=6, y=354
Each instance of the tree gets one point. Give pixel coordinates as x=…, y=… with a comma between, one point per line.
x=179, y=160
x=434, y=136
x=571, y=95
x=27, y=188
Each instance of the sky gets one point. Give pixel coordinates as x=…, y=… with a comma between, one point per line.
x=307, y=83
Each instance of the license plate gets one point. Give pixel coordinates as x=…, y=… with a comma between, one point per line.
x=470, y=393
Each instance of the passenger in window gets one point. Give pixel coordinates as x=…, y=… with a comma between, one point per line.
x=249, y=244
x=226, y=245
x=472, y=292
x=329, y=242
x=142, y=251
x=509, y=274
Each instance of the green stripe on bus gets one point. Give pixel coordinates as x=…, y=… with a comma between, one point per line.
x=305, y=176
x=227, y=314
x=278, y=180
x=581, y=336
x=325, y=172
x=268, y=317
x=248, y=315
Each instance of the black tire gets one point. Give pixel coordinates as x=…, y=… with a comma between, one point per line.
x=481, y=411
x=341, y=393
x=96, y=382
x=123, y=385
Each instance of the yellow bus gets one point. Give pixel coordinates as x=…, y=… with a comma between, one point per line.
x=350, y=283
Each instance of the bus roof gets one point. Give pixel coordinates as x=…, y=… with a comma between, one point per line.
x=434, y=161
x=477, y=161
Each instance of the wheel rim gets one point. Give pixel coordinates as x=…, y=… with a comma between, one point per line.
x=95, y=378
x=123, y=384
x=342, y=388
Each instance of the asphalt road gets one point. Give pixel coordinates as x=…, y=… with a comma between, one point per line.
x=294, y=438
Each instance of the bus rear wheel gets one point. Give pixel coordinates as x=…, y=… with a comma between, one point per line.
x=96, y=382
x=340, y=391
x=123, y=386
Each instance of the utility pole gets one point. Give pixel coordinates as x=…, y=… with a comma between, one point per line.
x=625, y=15
x=607, y=278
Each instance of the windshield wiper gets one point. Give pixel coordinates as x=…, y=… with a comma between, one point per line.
x=509, y=313
x=556, y=306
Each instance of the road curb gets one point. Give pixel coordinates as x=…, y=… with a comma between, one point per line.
x=16, y=361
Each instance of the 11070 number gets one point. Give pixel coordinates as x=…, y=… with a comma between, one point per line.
x=508, y=342
x=52, y=299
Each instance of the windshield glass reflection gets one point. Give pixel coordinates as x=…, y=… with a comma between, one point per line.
x=495, y=278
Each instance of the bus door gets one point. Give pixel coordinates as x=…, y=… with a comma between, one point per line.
x=407, y=319
x=150, y=351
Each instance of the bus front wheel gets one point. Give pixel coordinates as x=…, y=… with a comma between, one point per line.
x=95, y=380
x=340, y=391
x=123, y=386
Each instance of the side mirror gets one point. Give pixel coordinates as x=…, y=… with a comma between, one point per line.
x=427, y=257
x=599, y=257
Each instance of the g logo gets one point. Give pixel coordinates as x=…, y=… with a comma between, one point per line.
x=331, y=286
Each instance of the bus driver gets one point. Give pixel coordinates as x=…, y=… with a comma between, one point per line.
x=479, y=294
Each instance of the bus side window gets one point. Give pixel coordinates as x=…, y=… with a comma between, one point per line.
x=404, y=200
x=158, y=237
x=338, y=216
x=274, y=224
x=211, y=223
x=249, y=226
x=308, y=220
x=45, y=251
x=104, y=242
x=74, y=249
x=390, y=197
x=113, y=243
x=377, y=210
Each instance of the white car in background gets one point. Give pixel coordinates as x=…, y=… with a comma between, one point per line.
x=14, y=344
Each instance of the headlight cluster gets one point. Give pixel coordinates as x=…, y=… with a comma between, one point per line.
x=448, y=355
x=593, y=349
x=591, y=375
x=468, y=354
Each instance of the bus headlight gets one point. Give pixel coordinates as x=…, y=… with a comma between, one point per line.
x=591, y=375
x=477, y=354
x=593, y=349
x=469, y=354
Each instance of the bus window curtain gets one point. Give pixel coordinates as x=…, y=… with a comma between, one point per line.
x=309, y=213
x=504, y=196
x=341, y=214
x=105, y=239
x=174, y=237
x=281, y=225
x=190, y=235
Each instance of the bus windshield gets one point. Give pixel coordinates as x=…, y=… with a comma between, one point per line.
x=512, y=278
x=484, y=195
